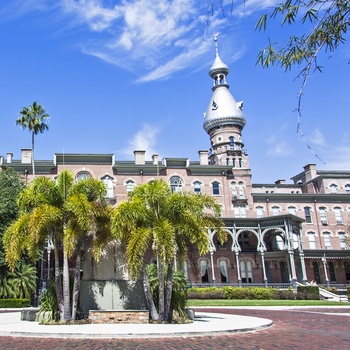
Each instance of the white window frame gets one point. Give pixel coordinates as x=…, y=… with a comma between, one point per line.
x=338, y=215
x=312, y=240
x=327, y=239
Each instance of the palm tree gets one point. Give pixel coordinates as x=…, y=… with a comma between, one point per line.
x=67, y=212
x=167, y=222
x=23, y=280
x=34, y=118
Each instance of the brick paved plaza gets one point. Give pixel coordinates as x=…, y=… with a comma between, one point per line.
x=321, y=328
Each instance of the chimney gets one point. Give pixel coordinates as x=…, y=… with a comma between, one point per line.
x=280, y=182
x=9, y=157
x=155, y=159
x=26, y=155
x=310, y=171
x=139, y=157
x=203, y=157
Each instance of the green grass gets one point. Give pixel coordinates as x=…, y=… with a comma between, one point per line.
x=225, y=302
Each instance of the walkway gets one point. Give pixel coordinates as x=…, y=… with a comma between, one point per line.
x=304, y=328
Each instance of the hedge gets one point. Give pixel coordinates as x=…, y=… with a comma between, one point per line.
x=252, y=293
x=14, y=303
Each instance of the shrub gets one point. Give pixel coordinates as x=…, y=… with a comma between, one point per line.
x=286, y=294
x=308, y=290
x=206, y=293
x=14, y=303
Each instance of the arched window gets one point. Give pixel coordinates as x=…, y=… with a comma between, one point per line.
x=327, y=240
x=316, y=268
x=343, y=242
x=130, y=185
x=240, y=211
x=83, y=175
x=308, y=216
x=241, y=190
x=240, y=162
x=332, y=275
x=204, y=271
x=347, y=189
x=312, y=240
x=246, y=271
x=333, y=188
x=197, y=187
x=108, y=182
x=259, y=212
x=275, y=210
x=176, y=183
x=223, y=270
x=323, y=215
x=292, y=210
x=232, y=142
x=338, y=215
x=216, y=188
x=234, y=190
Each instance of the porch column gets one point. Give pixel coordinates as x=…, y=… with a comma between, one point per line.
x=263, y=267
x=212, y=267
x=238, y=269
x=292, y=266
x=303, y=269
x=324, y=261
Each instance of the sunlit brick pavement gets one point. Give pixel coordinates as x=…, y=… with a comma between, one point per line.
x=293, y=329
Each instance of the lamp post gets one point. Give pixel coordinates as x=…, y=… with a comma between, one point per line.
x=325, y=269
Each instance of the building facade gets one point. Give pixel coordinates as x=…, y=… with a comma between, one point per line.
x=277, y=233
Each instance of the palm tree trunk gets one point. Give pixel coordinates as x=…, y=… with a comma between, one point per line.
x=76, y=284
x=149, y=298
x=33, y=166
x=168, y=292
x=67, y=316
x=58, y=280
x=161, y=290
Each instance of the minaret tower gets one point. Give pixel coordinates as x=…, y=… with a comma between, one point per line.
x=224, y=119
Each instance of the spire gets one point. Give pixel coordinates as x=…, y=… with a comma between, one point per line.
x=224, y=119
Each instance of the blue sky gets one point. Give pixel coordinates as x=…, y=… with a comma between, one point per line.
x=116, y=76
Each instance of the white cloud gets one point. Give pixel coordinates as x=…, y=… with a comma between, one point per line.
x=317, y=138
x=279, y=149
x=144, y=140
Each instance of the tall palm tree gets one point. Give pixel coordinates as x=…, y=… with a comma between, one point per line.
x=34, y=118
x=66, y=212
x=167, y=222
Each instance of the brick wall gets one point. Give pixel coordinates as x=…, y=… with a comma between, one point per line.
x=119, y=316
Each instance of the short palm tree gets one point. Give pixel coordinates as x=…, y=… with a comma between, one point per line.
x=23, y=280
x=34, y=118
x=167, y=222
x=66, y=212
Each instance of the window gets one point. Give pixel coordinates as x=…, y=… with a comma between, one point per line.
x=275, y=210
x=308, y=217
x=234, y=162
x=292, y=210
x=246, y=271
x=259, y=212
x=234, y=190
x=327, y=240
x=108, y=182
x=312, y=240
x=216, y=188
x=223, y=270
x=240, y=162
x=279, y=242
x=204, y=271
x=240, y=211
x=347, y=189
x=197, y=187
x=83, y=175
x=332, y=274
x=323, y=215
x=130, y=185
x=241, y=190
x=338, y=215
x=232, y=142
x=343, y=240
x=176, y=184
x=333, y=188
x=221, y=246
